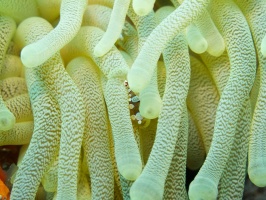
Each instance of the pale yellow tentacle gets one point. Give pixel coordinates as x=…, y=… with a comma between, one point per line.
x=95, y=140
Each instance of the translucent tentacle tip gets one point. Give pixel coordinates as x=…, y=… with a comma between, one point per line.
x=147, y=188
x=202, y=188
x=100, y=50
x=138, y=79
x=130, y=169
x=7, y=120
x=150, y=106
x=142, y=8
x=199, y=46
x=258, y=174
x=29, y=57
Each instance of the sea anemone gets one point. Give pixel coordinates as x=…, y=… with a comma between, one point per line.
x=114, y=99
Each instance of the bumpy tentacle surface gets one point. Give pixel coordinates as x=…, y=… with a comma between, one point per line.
x=71, y=130
x=114, y=67
x=8, y=28
x=263, y=46
x=176, y=178
x=20, y=134
x=97, y=15
x=125, y=187
x=147, y=136
x=46, y=122
x=233, y=177
x=130, y=40
x=83, y=127
x=150, y=100
x=202, y=91
x=255, y=14
x=161, y=73
x=219, y=68
x=95, y=140
x=11, y=67
x=195, y=147
x=69, y=100
x=20, y=107
x=243, y=66
x=126, y=150
x=13, y=86
x=235, y=169
x=255, y=90
x=150, y=184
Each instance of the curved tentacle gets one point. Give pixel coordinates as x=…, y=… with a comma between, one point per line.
x=71, y=13
x=241, y=52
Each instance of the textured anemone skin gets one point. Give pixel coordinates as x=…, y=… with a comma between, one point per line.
x=113, y=99
x=96, y=144
x=177, y=93
x=140, y=73
x=114, y=67
x=214, y=158
x=257, y=167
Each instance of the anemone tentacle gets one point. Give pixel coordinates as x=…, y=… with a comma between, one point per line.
x=71, y=13
x=202, y=101
x=195, y=147
x=95, y=139
x=159, y=161
x=196, y=67
x=114, y=28
x=176, y=179
x=46, y=120
x=242, y=61
x=141, y=71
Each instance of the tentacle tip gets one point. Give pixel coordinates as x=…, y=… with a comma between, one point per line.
x=218, y=51
x=130, y=171
x=7, y=120
x=257, y=176
x=142, y=8
x=29, y=57
x=147, y=188
x=100, y=51
x=151, y=106
x=138, y=79
x=199, y=47
x=202, y=188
